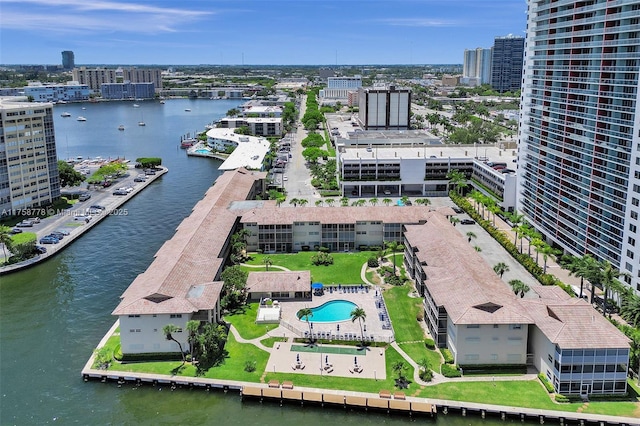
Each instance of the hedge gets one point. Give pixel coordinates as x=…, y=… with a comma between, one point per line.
x=547, y=384
x=430, y=344
x=448, y=370
x=448, y=357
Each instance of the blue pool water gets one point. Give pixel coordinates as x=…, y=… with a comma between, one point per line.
x=203, y=151
x=334, y=311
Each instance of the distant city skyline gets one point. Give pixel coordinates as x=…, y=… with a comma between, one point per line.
x=253, y=32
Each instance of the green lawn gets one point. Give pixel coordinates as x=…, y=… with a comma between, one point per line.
x=245, y=322
x=24, y=237
x=345, y=269
x=403, y=311
x=270, y=341
x=231, y=369
x=417, y=351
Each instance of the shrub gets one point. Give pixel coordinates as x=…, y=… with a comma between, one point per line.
x=250, y=366
x=373, y=262
x=322, y=258
x=430, y=344
x=562, y=399
x=547, y=384
x=420, y=316
x=448, y=357
x=394, y=280
x=426, y=375
x=448, y=370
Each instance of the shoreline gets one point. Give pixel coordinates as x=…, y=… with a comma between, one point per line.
x=112, y=210
x=353, y=400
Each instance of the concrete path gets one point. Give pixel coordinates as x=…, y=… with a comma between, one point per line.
x=282, y=268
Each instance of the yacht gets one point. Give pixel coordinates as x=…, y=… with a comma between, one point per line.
x=136, y=106
x=81, y=118
x=65, y=114
x=141, y=123
x=121, y=127
x=188, y=109
x=162, y=101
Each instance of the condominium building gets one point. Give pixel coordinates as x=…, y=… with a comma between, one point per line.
x=28, y=161
x=477, y=66
x=506, y=63
x=579, y=153
x=94, y=77
x=70, y=92
x=384, y=107
x=127, y=90
x=338, y=88
x=68, y=60
x=143, y=75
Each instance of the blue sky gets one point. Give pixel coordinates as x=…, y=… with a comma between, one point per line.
x=290, y=32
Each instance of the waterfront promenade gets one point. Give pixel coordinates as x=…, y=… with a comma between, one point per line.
x=65, y=219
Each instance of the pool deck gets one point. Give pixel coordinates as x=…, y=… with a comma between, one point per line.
x=283, y=360
x=369, y=301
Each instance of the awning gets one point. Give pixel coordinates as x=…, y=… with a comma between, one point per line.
x=316, y=285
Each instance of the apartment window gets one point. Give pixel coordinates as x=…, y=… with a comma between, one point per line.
x=629, y=254
x=549, y=357
x=515, y=326
x=634, y=200
x=632, y=228
x=134, y=316
x=471, y=357
x=175, y=316
x=472, y=339
x=631, y=241
x=496, y=326
x=494, y=357
x=473, y=325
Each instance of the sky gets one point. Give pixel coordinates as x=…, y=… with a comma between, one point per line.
x=253, y=32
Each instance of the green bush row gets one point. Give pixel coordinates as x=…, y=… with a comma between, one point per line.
x=430, y=344
x=448, y=357
x=449, y=370
x=547, y=384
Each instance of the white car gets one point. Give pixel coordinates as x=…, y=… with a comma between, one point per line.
x=285, y=177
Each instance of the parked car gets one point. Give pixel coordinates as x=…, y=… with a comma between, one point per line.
x=84, y=196
x=140, y=179
x=49, y=240
x=16, y=231
x=149, y=172
x=457, y=210
x=40, y=249
x=467, y=222
x=387, y=192
x=25, y=224
x=56, y=235
x=120, y=192
x=98, y=207
x=91, y=211
x=82, y=217
x=62, y=231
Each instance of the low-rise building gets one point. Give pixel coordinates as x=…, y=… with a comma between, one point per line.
x=70, y=92
x=128, y=90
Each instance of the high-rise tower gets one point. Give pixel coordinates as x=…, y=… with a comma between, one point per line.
x=579, y=153
x=68, y=60
x=506, y=63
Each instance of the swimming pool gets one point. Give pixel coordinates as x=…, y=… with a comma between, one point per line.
x=203, y=151
x=334, y=311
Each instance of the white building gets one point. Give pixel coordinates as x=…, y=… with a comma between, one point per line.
x=28, y=161
x=248, y=151
x=579, y=126
x=338, y=88
x=70, y=92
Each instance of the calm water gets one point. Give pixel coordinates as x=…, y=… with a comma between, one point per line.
x=53, y=315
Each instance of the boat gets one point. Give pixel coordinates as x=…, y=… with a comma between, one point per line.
x=188, y=143
x=121, y=127
x=65, y=114
x=188, y=109
x=84, y=107
x=136, y=106
x=141, y=123
x=162, y=102
x=81, y=118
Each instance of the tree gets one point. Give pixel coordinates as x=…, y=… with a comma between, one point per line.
x=609, y=279
x=5, y=240
x=168, y=330
x=399, y=368
x=630, y=309
x=330, y=201
x=234, y=278
x=515, y=219
x=294, y=202
x=387, y=201
x=500, y=268
x=519, y=287
x=457, y=178
x=373, y=201
x=303, y=202
x=360, y=315
x=425, y=370
x=547, y=251
x=454, y=220
x=581, y=267
x=192, y=329
x=68, y=175
x=470, y=235
x=394, y=246
x=319, y=203
x=267, y=262
x=306, y=313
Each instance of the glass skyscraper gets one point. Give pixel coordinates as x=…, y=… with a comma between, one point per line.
x=579, y=153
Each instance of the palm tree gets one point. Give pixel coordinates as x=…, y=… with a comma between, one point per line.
x=581, y=267
x=5, y=240
x=267, y=262
x=454, y=220
x=495, y=209
x=609, y=279
x=471, y=235
x=630, y=309
x=306, y=313
x=168, y=330
x=373, y=201
x=519, y=287
x=192, y=327
x=303, y=202
x=319, y=203
x=515, y=219
x=394, y=246
x=361, y=202
x=404, y=199
x=360, y=315
x=279, y=201
x=547, y=251
x=294, y=201
x=330, y=201
x=478, y=249
x=457, y=178
x=344, y=201
x=399, y=367
x=500, y=268
x=387, y=201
